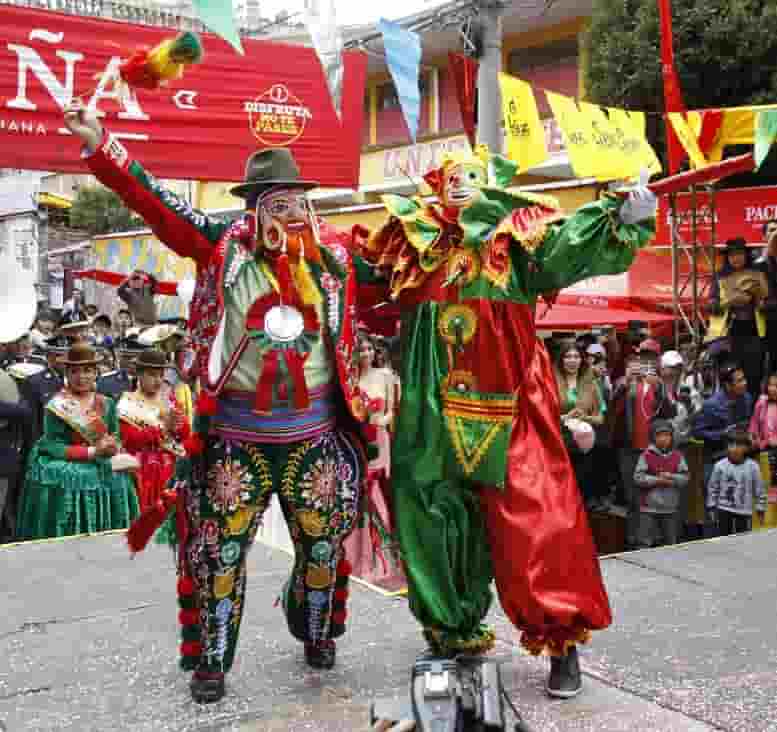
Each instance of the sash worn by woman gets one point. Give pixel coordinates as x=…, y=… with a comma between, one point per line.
x=153, y=427
x=481, y=482
x=70, y=487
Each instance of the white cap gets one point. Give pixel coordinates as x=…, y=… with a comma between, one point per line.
x=596, y=349
x=671, y=359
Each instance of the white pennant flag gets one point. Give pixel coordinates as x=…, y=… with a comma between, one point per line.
x=321, y=23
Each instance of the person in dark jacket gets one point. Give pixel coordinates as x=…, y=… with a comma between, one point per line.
x=15, y=438
x=728, y=408
x=39, y=388
x=115, y=383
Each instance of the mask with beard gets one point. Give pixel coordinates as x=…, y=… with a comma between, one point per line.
x=286, y=223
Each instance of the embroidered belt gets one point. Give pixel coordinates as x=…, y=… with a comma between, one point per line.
x=236, y=419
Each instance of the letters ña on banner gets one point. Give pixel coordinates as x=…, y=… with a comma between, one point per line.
x=202, y=126
x=601, y=146
x=525, y=132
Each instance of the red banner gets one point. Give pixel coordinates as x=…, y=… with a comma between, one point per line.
x=202, y=126
x=738, y=212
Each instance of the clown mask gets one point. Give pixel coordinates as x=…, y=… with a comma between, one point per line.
x=285, y=221
x=461, y=184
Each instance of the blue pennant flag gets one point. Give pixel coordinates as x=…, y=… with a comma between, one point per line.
x=403, y=57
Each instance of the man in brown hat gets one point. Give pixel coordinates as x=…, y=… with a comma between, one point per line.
x=272, y=319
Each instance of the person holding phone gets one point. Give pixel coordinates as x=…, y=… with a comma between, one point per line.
x=638, y=401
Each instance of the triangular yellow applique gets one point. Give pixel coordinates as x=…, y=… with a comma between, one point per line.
x=471, y=440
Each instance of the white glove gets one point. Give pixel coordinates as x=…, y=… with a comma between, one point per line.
x=640, y=205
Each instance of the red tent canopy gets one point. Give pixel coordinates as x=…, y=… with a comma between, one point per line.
x=647, y=285
x=582, y=317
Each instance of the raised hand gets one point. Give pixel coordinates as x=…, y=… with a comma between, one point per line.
x=83, y=124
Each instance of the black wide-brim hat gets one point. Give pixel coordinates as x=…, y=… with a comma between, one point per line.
x=271, y=168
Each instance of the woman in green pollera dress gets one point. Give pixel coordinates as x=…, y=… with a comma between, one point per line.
x=70, y=487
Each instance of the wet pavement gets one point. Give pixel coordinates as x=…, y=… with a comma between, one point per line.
x=88, y=641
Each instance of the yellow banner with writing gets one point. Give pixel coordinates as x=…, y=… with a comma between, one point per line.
x=633, y=126
x=601, y=144
x=525, y=132
x=576, y=133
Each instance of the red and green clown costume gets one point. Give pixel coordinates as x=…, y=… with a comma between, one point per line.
x=271, y=417
x=482, y=485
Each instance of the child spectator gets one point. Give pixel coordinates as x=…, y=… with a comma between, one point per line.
x=661, y=476
x=763, y=428
x=735, y=487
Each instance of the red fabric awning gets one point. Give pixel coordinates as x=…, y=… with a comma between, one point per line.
x=646, y=286
x=580, y=317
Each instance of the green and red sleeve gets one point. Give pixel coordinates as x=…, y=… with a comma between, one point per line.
x=185, y=230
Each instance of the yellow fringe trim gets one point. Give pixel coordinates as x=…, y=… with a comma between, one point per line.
x=538, y=645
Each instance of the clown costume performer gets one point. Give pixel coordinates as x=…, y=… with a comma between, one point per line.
x=272, y=322
x=481, y=482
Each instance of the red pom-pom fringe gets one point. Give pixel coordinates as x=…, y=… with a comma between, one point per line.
x=194, y=445
x=344, y=568
x=341, y=594
x=339, y=617
x=189, y=617
x=206, y=405
x=185, y=586
x=144, y=527
x=193, y=648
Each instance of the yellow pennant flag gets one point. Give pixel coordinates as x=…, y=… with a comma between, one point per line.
x=576, y=131
x=610, y=162
x=688, y=139
x=633, y=126
x=525, y=132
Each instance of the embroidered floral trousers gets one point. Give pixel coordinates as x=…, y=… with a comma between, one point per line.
x=318, y=483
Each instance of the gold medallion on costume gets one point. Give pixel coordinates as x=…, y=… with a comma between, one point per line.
x=457, y=325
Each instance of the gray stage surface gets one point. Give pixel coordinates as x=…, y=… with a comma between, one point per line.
x=88, y=641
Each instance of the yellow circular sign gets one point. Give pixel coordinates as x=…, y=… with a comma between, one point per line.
x=277, y=117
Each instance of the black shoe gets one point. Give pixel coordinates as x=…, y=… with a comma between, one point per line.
x=207, y=689
x=565, y=680
x=321, y=654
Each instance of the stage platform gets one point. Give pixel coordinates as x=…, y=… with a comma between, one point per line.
x=88, y=642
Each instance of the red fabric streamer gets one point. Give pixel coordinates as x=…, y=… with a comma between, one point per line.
x=339, y=617
x=263, y=399
x=143, y=527
x=295, y=362
x=673, y=97
x=465, y=74
x=116, y=278
x=344, y=568
x=341, y=594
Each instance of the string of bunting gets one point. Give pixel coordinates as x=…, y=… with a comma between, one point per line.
x=602, y=142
